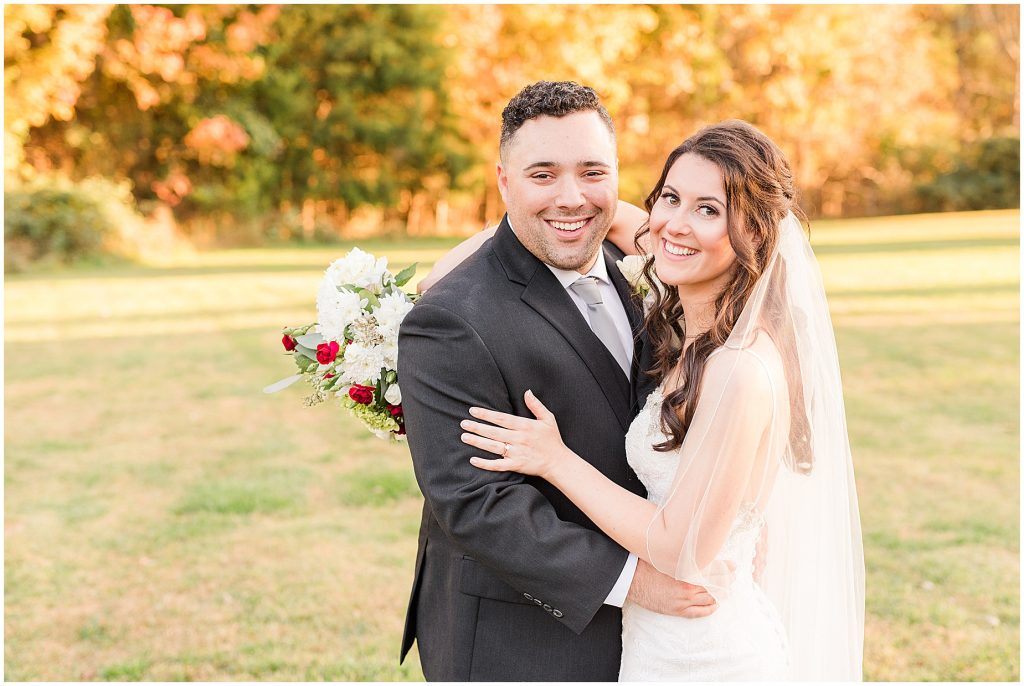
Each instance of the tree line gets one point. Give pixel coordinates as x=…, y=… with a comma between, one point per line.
x=326, y=121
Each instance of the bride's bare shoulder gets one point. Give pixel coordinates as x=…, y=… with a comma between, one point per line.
x=755, y=369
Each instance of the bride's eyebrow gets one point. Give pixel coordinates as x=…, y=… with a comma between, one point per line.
x=712, y=198
x=702, y=198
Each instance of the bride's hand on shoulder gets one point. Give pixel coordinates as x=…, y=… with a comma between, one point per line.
x=626, y=224
x=527, y=446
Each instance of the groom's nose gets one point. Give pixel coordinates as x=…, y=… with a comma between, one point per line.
x=569, y=195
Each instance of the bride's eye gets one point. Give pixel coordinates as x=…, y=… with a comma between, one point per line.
x=708, y=211
x=671, y=199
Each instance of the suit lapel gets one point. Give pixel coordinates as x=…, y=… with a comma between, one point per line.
x=630, y=300
x=633, y=304
x=546, y=296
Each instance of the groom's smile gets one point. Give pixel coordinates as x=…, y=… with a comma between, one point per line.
x=570, y=229
x=559, y=179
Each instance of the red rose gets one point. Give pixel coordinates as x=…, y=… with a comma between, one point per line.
x=326, y=352
x=395, y=410
x=328, y=375
x=401, y=430
x=361, y=394
x=289, y=343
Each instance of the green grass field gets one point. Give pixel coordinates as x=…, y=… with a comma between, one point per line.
x=165, y=520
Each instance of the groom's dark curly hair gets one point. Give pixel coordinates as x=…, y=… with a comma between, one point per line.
x=551, y=98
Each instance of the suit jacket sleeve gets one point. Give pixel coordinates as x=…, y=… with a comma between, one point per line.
x=500, y=519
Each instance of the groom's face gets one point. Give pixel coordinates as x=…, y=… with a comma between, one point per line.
x=560, y=182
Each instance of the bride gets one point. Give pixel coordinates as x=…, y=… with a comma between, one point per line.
x=743, y=446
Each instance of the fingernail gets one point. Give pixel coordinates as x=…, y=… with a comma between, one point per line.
x=464, y=423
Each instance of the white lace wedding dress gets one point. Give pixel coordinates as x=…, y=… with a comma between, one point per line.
x=744, y=639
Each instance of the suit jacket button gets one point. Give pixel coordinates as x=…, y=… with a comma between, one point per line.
x=547, y=608
x=556, y=613
x=528, y=596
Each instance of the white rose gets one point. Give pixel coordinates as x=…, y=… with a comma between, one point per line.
x=632, y=267
x=362, y=363
x=389, y=352
x=336, y=309
x=358, y=268
x=393, y=395
x=392, y=310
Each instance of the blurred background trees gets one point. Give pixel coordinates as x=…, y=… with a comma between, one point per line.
x=243, y=123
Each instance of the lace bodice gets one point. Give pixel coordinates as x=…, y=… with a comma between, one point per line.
x=743, y=640
x=657, y=471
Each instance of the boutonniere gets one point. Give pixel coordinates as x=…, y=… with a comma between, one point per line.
x=632, y=267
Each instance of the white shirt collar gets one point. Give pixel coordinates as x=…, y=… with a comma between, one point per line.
x=567, y=277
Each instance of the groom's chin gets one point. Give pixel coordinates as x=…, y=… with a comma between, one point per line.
x=577, y=260
x=577, y=256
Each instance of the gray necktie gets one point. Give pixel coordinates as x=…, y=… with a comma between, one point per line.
x=600, y=320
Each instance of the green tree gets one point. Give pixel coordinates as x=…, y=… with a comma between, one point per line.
x=357, y=96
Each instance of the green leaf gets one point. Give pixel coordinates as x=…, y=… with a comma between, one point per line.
x=405, y=275
x=310, y=340
x=305, y=363
x=282, y=384
x=303, y=351
x=370, y=298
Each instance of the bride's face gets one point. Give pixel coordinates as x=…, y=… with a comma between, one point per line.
x=689, y=228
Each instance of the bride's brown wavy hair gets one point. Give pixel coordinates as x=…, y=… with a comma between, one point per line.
x=759, y=192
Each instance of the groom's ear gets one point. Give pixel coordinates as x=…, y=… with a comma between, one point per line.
x=502, y=182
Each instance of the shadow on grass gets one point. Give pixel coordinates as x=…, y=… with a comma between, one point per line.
x=928, y=291
x=304, y=304
x=912, y=246
x=141, y=271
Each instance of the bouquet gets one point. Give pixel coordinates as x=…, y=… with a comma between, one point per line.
x=351, y=351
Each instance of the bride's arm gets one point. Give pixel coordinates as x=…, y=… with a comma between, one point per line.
x=453, y=258
x=628, y=220
x=727, y=428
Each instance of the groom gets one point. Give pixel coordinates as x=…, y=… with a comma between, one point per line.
x=513, y=582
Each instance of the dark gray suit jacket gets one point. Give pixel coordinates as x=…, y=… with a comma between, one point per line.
x=510, y=575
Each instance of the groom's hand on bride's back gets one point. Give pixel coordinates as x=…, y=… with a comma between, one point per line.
x=662, y=594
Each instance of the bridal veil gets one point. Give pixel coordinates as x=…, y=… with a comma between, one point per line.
x=769, y=439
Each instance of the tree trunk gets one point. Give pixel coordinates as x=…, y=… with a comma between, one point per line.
x=308, y=219
x=441, y=215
